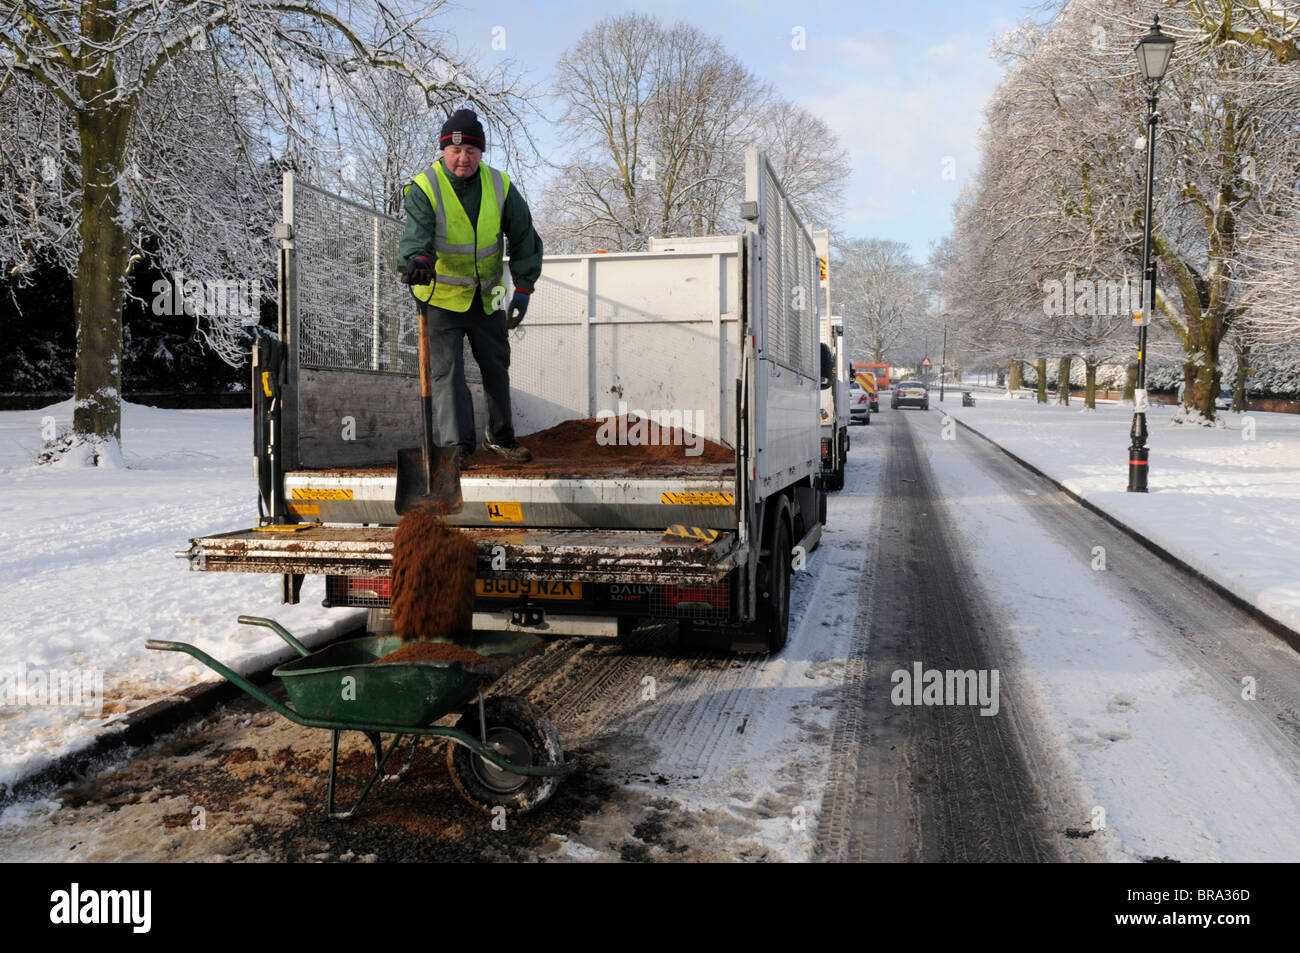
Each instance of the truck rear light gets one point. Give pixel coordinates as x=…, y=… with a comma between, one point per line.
x=716, y=596
x=359, y=590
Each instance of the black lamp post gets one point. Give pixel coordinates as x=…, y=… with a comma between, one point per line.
x=1153, y=53
x=943, y=361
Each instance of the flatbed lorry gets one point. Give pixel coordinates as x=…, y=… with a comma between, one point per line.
x=717, y=338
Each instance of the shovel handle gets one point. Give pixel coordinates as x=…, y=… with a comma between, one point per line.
x=426, y=400
x=426, y=365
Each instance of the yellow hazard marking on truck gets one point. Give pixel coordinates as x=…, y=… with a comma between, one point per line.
x=283, y=527
x=529, y=588
x=303, y=509
x=694, y=533
x=696, y=499
x=266, y=384
x=504, y=512
x=316, y=494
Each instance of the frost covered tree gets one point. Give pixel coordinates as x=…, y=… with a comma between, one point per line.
x=661, y=117
x=1064, y=186
x=807, y=158
x=881, y=293
x=149, y=127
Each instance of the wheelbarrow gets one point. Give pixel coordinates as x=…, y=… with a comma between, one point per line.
x=505, y=752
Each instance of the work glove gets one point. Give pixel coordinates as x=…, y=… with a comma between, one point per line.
x=518, y=308
x=419, y=271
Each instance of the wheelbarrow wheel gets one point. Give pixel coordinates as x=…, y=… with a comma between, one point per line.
x=519, y=731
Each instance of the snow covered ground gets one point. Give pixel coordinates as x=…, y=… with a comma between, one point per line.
x=87, y=574
x=1225, y=501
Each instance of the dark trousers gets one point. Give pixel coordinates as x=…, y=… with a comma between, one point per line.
x=490, y=345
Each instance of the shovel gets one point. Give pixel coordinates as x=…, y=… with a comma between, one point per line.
x=428, y=477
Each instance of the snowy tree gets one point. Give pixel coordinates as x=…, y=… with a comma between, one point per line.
x=147, y=128
x=661, y=118
x=808, y=159
x=881, y=293
x=1064, y=183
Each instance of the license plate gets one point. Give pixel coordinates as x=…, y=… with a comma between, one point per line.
x=527, y=588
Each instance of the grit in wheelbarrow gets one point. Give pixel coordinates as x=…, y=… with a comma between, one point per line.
x=505, y=752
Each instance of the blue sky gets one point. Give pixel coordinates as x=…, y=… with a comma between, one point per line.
x=902, y=85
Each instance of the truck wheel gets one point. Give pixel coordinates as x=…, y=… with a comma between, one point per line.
x=834, y=482
x=520, y=731
x=773, y=623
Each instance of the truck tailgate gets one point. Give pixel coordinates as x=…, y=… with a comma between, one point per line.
x=698, y=496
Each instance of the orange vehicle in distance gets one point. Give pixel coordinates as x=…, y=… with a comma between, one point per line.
x=873, y=377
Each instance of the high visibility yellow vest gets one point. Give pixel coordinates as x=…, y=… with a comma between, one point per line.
x=468, y=256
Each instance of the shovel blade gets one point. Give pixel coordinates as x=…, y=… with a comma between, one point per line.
x=432, y=484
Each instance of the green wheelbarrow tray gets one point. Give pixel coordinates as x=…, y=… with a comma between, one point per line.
x=342, y=682
x=341, y=688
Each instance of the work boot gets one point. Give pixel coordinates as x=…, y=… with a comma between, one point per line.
x=513, y=452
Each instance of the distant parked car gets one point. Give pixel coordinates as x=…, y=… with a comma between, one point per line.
x=910, y=394
x=859, y=404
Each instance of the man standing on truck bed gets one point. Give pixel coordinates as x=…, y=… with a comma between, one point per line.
x=452, y=255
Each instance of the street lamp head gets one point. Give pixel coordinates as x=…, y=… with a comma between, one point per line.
x=1153, y=53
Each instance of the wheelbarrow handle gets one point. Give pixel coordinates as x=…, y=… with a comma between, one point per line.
x=230, y=675
x=279, y=630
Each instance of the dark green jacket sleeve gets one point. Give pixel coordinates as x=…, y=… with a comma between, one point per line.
x=524, y=245
x=418, y=237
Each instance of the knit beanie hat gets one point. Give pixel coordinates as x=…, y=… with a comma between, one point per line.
x=463, y=128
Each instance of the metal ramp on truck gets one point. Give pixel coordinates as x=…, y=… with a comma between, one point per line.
x=575, y=582
x=681, y=556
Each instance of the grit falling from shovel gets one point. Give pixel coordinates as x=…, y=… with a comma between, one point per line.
x=433, y=564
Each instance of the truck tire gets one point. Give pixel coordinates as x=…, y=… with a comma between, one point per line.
x=523, y=732
x=835, y=481
x=768, y=632
x=775, y=618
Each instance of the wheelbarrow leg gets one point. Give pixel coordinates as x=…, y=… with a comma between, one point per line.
x=376, y=740
x=380, y=761
x=410, y=757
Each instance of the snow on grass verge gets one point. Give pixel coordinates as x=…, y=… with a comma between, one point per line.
x=87, y=574
x=1224, y=501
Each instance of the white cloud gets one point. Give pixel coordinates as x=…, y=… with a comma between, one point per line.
x=903, y=120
